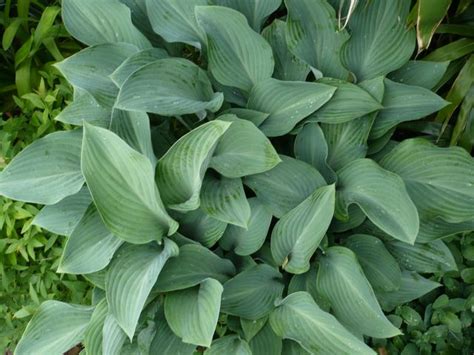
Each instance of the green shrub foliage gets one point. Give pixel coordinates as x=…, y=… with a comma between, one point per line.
x=237, y=182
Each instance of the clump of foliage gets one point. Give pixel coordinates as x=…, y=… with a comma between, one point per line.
x=28, y=255
x=241, y=182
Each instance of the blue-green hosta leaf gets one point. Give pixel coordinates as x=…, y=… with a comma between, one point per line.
x=413, y=286
x=379, y=266
x=62, y=217
x=256, y=117
x=166, y=342
x=135, y=62
x=436, y=228
x=246, y=241
x=174, y=20
x=266, y=342
x=439, y=180
x=238, y=56
x=252, y=293
x=50, y=168
x=194, y=264
x=297, y=235
x=420, y=73
x=201, y=227
x=299, y=318
x=349, y=102
x=134, y=128
x=347, y=141
x=312, y=33
x=311, y=147
x=90, y=69
x=243, y=150
x=113, y=336
x=286, y=185
x=356, y=218
x=307, y=282
x=54, y=329
x=101, y=21
x=287, y=102
x=287, y=66
x=141, y=20
x=382, y=196
x=192, y=314
x=250, y=328
x=224, y=199
x=256, y=12
x=90, y=247
x=85, y=108
x=169, y=87
x=425, y=258
x=230, y=344
x=93, y=336
x=121, y=182
x=130, y=278
x=404, y=103
x=180, y=171
x=380, y=42
x=291, y=347
x=342, y=281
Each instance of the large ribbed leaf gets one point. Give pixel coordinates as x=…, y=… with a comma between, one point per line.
x=436, y=228
x=50, y=168
x=224, y=199
x=252, y=293
x=192, y=314
x=298, y=233
x=382, y=196
x=131, y=277
x=201, y=227
x=299, y=318
x=193, y=265
x=413, y=286
x=348, y=102
x=312, y=33
x=54, y=329
x=246, y=241
x=428, y=257
x=166, y=342
x=230, y=344
x=256, y=12
x=93, y=335
x=121, y=182
x=101, y=21
x=238, y=56
x=256, y=117
x=134, y=128
x=243, y=150
x=180, y=171
x=266, y=342
x=250, y=328
x=439, y=180
x=169, y=86
x=342, y=281
x=380, y=42
x=287, y=66
x=113, y=336
x=420, y=73
x=287, y=102
x=347, y=141
x=174, y=20
x=404, y=103
x=380, y=268
x=90, y=69
x=291, y=347
x=311, y=147
x=135, y=62
x=90, y=247
x=62, y=217
x=286, y=185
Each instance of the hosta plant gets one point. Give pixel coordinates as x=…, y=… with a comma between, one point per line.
x=238, y=181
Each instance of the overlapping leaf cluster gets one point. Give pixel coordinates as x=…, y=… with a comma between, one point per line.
x=288, y=217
